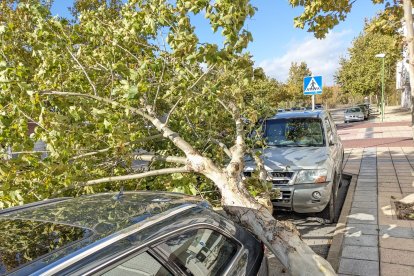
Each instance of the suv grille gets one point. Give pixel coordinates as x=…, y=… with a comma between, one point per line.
x=281, y=178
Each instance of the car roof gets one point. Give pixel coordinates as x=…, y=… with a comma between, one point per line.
x=107, y=208
x=86, y=219
x=300, y=114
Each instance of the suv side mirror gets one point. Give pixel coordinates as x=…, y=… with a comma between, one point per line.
x=331, y=139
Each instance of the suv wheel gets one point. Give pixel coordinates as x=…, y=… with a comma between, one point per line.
x=329, y=212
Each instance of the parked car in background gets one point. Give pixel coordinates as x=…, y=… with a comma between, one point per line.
x=131, y=233
x=364, y=110
x=353, y=114
x=318, y=106
x=303, y=158
x=280, y=110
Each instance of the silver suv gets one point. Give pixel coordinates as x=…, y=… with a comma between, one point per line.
x=303, y=157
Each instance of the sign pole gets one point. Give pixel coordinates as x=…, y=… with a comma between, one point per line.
x=313, y=102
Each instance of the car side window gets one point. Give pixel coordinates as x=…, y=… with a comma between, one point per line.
x=141, y=265
x=200, y=252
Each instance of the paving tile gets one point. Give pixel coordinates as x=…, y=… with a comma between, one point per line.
x=360, y=252
x=397, y=243
x=371, y=188
x=361, y=239
x=358, y=267
x=388, y=221
x=367, y=180
x=361, y=229
x=364, y=198
x=364, y=204
x=367, y=219
x=401, y=257
x=388, y=269
x=368, y=211
x=385, y=190
x=396, y=232
x=366, y=193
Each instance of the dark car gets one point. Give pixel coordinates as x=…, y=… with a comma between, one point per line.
x=131, y=233
x=364, y=110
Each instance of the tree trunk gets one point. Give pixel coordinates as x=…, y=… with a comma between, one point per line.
x=281, y=238
x=408, y=17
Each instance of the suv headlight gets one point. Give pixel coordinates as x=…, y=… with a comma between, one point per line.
x=311, y=176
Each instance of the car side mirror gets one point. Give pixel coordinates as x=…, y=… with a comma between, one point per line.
x=332, y=141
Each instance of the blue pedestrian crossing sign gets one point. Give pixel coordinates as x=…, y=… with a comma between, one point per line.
x=312, y=85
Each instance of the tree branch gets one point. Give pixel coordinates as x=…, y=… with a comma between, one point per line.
x=172, y=110
x=83, y=70
x=159, y=84
x=135, y=176
x=144, y=139
x=32, y=120
x=125, y=177
x=152, y=158
x=225, y=106
x=201, y=77
x=223, y=146
x=239, y=148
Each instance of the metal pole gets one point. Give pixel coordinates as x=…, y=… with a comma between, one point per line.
x=313, y=102
x=382, y=93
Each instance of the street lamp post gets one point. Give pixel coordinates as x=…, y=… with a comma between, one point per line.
x=382, y=56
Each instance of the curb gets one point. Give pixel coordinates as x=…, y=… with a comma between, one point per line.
x=335, y=249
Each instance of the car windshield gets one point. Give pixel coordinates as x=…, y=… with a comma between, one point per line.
x=296, y=132
x=354, y=109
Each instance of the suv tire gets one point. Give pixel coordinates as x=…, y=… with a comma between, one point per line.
x=328, y=213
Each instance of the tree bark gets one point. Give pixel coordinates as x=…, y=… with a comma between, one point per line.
x=408, y=17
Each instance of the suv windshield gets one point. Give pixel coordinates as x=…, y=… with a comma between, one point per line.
x=296, y=132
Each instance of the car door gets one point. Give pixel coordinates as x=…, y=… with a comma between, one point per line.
x=204, y=251
x=192, y=250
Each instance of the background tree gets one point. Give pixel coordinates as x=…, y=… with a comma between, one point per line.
x=108, y=86
x=294, y=83
x=320, y=16
x=360, y=74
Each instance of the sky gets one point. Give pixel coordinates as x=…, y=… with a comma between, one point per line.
x=276, y=43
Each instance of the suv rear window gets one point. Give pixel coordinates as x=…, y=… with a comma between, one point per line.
x=296, y=132
x=22, y=241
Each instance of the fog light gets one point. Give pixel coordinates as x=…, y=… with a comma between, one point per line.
x=316, y=195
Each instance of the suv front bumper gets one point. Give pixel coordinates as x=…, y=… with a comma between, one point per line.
x=299, y=198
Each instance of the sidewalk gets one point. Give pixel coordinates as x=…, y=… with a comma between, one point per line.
x=376, y=242
x=395, y=131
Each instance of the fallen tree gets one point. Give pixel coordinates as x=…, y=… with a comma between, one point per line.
x=105, y=85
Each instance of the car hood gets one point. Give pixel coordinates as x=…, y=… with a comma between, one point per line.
x=291, y=158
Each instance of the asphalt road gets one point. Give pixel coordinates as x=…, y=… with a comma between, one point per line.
x=315, y=233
